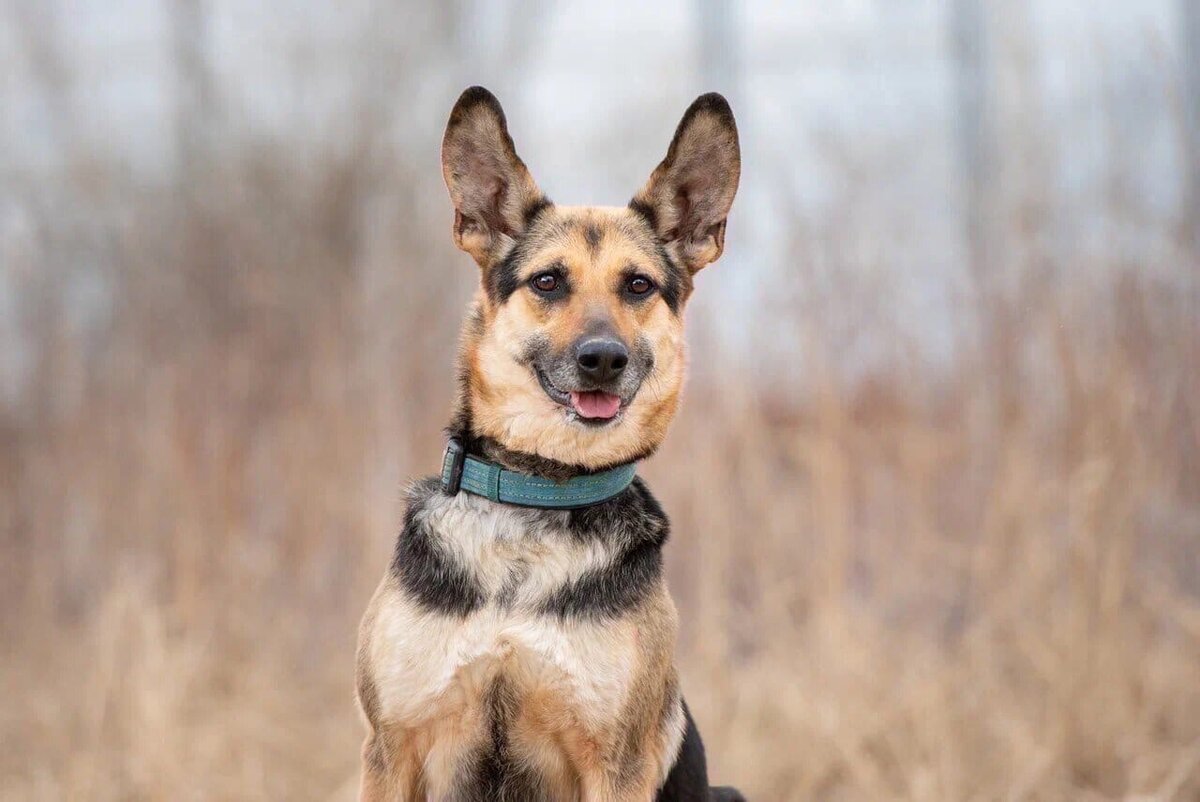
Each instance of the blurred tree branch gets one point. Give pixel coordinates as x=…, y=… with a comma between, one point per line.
x=196, y=100
x=41, y=41
x=1189, y=24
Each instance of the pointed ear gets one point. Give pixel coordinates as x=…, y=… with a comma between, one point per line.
x=493, y=193
x=689, y=194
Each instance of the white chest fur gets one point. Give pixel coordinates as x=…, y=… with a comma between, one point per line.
x=427, y=664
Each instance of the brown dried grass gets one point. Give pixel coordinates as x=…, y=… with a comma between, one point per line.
x=916, y=587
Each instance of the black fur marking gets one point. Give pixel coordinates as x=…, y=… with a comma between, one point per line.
x=724, y=793
x=424, y=570
x=646, y=212
x=688, y=778
x=492, y=451
x=502, y=280
x=474, y=96
x=632, y=518
x=712, y=103
x=497, y=776
x=610, y=591
x=632, y=521
x=678, y=281
x=534, y=209
x=592, y=235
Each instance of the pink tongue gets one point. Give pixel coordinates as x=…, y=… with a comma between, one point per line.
x=596, y=404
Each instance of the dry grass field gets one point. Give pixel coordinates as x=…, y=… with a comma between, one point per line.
x=957, y=579
x=973, y=581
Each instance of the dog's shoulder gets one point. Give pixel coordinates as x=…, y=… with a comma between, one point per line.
x=422, y=563
x=633, y=528
x=456, y=554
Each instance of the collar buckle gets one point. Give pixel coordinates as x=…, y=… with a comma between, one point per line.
x=454, y=460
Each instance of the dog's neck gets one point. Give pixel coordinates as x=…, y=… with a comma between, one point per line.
x=489, y=449
x=492, y=450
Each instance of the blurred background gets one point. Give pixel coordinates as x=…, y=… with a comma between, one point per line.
x=935, y=485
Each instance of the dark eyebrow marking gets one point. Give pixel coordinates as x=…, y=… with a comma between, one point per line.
x=645, y=211
x=677, y=279
x=593, y=235
x=502, y=279
x=534, y=209
x=677, y=283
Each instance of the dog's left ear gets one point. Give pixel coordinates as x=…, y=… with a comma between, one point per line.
x=688, y=196
x=493, y=193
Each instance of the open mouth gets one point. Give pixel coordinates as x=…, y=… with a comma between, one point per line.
x=589, y=406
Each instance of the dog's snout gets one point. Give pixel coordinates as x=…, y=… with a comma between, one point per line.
x=601, y=359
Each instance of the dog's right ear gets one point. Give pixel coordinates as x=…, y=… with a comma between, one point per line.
x=494, y=195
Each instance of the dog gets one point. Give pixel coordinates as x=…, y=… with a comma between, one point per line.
x=520, y=646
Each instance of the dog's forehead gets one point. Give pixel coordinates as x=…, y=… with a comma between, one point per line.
x=591, y=229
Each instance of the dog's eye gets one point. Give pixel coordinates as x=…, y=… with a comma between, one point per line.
x=638, y=285
x=545, y=282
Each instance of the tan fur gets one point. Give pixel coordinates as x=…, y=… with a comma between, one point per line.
x=505, y=398
x=595, y=698
x=590, y=704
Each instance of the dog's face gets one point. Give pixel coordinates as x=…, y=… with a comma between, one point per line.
x=574, y=350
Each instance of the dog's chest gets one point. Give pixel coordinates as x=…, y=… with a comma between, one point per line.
x=430, y=662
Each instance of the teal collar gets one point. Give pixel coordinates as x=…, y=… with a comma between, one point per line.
x=461, y=471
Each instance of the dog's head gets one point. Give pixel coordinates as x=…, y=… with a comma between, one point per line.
x=574, y=351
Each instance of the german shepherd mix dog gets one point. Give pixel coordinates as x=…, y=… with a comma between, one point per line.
x=521, y=645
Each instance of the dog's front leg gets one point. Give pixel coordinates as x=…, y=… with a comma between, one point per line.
x=637, y=793
x=612, y=784
x=389, y=774
x=374, y=786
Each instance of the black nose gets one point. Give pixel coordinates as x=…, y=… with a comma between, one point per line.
x=601, y=359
